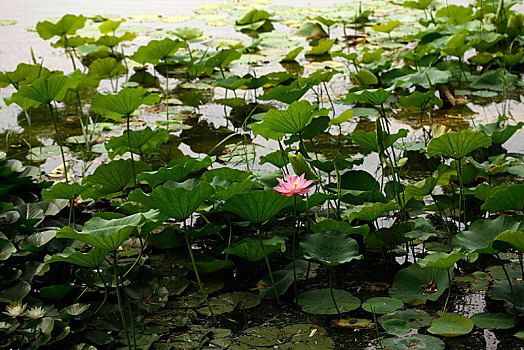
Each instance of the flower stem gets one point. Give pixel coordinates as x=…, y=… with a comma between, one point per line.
x=122, y=317
x=268, y=267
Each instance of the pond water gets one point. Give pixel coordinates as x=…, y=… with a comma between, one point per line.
x=210, y=132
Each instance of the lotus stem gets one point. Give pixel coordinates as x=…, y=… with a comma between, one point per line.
x=293, y=257
x=131, y=149
x=449, y=293
x=515, y=320
x=331, y=289
x=59, y=140
x=167, y=91
x=131, y=318
x=106, y=290
x=268, y=267
x=120, y=306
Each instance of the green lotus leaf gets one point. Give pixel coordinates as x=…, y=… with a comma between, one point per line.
x=320, y=302
x=519, y=335
x=6, y=249
x=496, y=79
x=110, y=179
x=493, y=321
x=249, y=248
x=479, y=238
x=330, y=248
x=386, y=27
x=310, y=30
x=37, y=241
x=178, y=203
x=15, y=293
x=420, y=101
x=188, y=33
x=451, y=326
x=369, y=140
x=372, y=96
x=502, y=291
x=415, y=285
x=419, y=4
x=342, y=118
x=364, y=77
x=288, y=93
x=42, y=90
x=368, y=211
x=91, y=259
x=441, y=260
x=61, y=190
x=106, y=68
x=396, y=326
x=158, y=50
x=177, y=172
x=105, y=234
x=224, y=193
x=341, y=226
x=67, y=25
x=207, y=264
x=257, y=206
x=420, y=341
x=382, y=305
x=292, y=55
x=508, y=199
x=459, y=144
x=124, y=103
x=423, y=230
x=110, y=26
x=513, y=239
x=499, y=135
x=414, y=317
x=23, y=74
x=456, y=14
x=284, y=278
x=223, y=58
x=322, y=48
x=143, y=142
x=56, y=292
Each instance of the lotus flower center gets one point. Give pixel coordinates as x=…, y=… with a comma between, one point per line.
x=296, y=185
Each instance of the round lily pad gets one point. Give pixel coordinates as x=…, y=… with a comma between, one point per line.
x=418, y=341
x=493, y=321
x=416, y=318
x=355, y=323
x=396, y=326
x=42, y=153
x=451, y=326
x=382, y=305
x=320, y=302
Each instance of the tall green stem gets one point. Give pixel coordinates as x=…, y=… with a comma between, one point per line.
x=293, y=257
x=166, y=94
x=515, y=320
x=268, y=267
x=106, y=290
x=331, y=289
x=131, y=150
x=59, y=140
x=120, y=305
x=449, y=293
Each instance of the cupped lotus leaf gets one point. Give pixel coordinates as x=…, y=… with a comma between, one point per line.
x=322, y=48
x=441, y=260
x=143, y=142
x=415, y=285
x=288, y=93
x=15, y=293
x=91, y=259
x=396, y=326
x=499, y=134
x=341, y=226
x=107, y=234
x=372, y=96
x=249, y=248
x=513, y=239
x=496, y=80
x=6, y=249
x=364, y=77
x=158, y=50
x=42, y=90
x=310, y=30
x=451, y=326
x=178, y=203
x=177, y=172
x=110, y=179
x=67, y=25
x=224, y=193
x=423, y=230
x=493, y=321
x=61, y=190
x=386, y=27
x=292, y=55
x=342, y=118
x=382, y=305
x=417, y=341
x=223, y=58
x=330, y=248
x=368, y=211
x=420, y=101
x=456, y=14
x=416, y=318
x=501, y=291
x=37, y=241
x=459, y=144
x=370, y=140
x=23, y=74
x=284, y=278
x=106, y=68
x=508, y=199
x=479, y=238
x=320, y=302
x=110, y=26
x=418, y=5
x=124, y=103
x=257, y=206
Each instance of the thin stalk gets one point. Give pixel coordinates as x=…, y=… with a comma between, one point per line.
x=193, y=261
x=449, y=293
x=106, y=290
x=131, y=150
x=167, y=91
x=131, y=318
x=120, y=307
x=515, y=321
x=331, y=289
x=138, y=258
x=293, y=257
x=268, y=267
x=59, y=140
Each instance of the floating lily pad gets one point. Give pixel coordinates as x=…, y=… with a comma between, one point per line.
x=297, y=336
x=320, y=302
x=418, y=341
x=415, y=317
x=451, y=326
x=42, y=153
x=501, y=291
x=395, y=326
x=355, y=323
x=493, y=321
x=382, y=305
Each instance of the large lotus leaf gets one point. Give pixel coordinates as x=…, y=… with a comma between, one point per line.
x=207, y=264
x=223, y=58
x=501, y=291
x=420, y=101
x=320, y=302
x=67, y=25
x=416, y=318
x=498, y=134
x=459, y=144
x=177, y=172
x=329, y=248
x=372, y=96
x=43, y=90
x=369, y=139
x=496, y=80
x=293, y=120
x=396, y=326
x=107, y=234
x=322, y=48
x=421, y=188
x=6, y=249
x=15, y=293
x=91, y=259
x=387, y=27
x=143, y=142
x=23, y=74
x=250, y=249
x=257, y=206
x=124, y=103
x=37, y=241
x=178, y=203
x=224, y=193
x=441, y=260
x=382, y=305
x=288, y=93
x=188, y=33
x=513, y=239
x=284, y=278
x=157, y=50
x=106, y=68
x=112, y=40
x=415, y=285
x=341, y=226
x=422, y=230
x=61, y=190
x=417, y=341
x=451, y=326
x=110, y=179
x=110, y=26
x=493, y=321
x=479, y=238
x=508, y=199
x=368, y=211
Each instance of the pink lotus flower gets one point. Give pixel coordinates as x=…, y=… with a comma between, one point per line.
x=294, y=185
